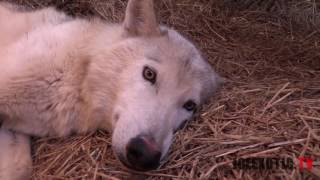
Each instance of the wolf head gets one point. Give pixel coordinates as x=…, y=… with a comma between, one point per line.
x=163, y=84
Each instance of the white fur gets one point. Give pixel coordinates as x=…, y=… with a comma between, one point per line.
x=14, y=164
x=60, y=75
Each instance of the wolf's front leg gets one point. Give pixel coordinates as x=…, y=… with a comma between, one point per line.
x=15, y=156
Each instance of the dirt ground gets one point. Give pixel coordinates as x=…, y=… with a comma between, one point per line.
x=268, y=52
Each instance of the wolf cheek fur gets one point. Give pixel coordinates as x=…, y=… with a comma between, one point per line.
x=59, y=76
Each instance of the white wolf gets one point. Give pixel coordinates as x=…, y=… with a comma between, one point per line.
x=61, y=75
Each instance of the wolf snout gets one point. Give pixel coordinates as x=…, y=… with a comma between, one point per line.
x=143, y=154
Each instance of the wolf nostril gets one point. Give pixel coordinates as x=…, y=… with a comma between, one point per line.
x=142, y=154
x=135, y=152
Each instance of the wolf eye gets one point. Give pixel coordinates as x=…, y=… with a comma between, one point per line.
x=190, y=105
x=149, y=74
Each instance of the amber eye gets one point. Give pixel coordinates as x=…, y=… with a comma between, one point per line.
x=190, y=106
x=149, y=74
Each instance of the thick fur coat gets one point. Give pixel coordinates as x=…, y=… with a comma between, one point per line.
x=61, y=75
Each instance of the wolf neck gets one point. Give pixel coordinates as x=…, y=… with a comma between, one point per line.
x=101, y=84
x=80, y=62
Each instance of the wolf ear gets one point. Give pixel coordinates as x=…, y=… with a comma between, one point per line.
x=140, y=19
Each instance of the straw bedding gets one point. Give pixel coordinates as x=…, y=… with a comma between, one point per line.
x=269, y=106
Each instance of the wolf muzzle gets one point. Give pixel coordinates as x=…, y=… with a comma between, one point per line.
x=143, y=154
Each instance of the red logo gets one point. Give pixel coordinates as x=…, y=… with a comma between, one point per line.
x=303, y=160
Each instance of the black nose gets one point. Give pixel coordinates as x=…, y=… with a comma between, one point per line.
x=143, y=153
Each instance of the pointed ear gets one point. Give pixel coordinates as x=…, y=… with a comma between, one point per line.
x=140, y=19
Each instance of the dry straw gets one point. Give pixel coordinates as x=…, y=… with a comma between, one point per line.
x=269, y=106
